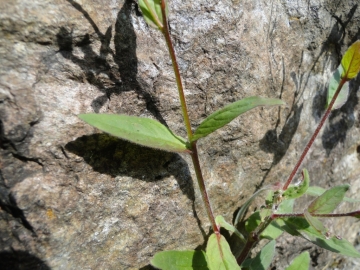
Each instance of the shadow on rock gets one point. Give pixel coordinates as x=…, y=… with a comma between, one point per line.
x=112, y=156
x=19, y=260
x=111, y=77
x=109, y=155
x=341, y=120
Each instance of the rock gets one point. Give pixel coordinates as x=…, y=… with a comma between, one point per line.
x=72, y=196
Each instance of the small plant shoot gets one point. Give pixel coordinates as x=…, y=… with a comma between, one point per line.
x=272, y=218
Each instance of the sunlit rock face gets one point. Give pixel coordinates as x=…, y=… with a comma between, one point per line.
x=72, y=197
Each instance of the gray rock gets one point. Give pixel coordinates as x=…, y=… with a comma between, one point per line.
x=72, y=197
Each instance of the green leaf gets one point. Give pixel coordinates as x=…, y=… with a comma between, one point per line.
x=317, y=191
x=351, y=61
x=246, y=205
x=315, y=222
x=180, y=260
x=333, y=85
x=301, y=262
x=151, y=10
x=225, y=115
x=329, y=200
x=220, y=221
x=218, y=254
x=143, y=131
x=272, y=231
x=300, y=227
x=296, y=191
x=263, y=259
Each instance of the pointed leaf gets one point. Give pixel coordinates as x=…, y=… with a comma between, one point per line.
x=351, y=61
x=317, y=191
x=329, y=200
x=218, y=254
x=333, y=85
x=220, y=221
x=180, y=260
x=143, y=131
x=301, y=262
x=296, y=191
x=315, y=222
x=300, y=227
x=246, y=205
x=151, y=10
x=263, y=259
x=225, y=115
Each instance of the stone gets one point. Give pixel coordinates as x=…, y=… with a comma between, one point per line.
x=73, y=197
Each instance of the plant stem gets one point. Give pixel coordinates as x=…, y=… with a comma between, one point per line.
x=165, y=31
x=253, y=239
x=307, y=147
x=193, y=148
x=201, y=183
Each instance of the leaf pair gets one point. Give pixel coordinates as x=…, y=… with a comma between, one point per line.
x=151, y=133
x=218, y=256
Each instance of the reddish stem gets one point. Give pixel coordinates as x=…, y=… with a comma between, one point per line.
x=307, y=147
x=194, y=154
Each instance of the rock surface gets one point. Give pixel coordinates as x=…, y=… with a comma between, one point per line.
x=72, y=197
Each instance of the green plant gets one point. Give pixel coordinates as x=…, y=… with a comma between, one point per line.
x=276, y=216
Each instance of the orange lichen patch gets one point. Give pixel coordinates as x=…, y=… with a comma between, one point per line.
x=50, y=214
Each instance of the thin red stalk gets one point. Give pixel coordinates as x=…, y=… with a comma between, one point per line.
x=246, y=250
x=307, y=147
x=201, y=183
x=252, y=240
x=194, y=154
x=165, y=31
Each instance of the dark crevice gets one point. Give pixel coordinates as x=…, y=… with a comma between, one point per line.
x=28, y=159
x=16, y=212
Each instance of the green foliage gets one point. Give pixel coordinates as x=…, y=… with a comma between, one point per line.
x=301, y=262
x=351, y=61
x=180, y=260
x=151, y=10
x=276, y=215
x=317, y=191
x=225, y=115
x=296, y=191
x=218, y=254
x=220, y=221
x=328, y=201
x=246, y=205
x=273, y=230
x=333, y=86
x=315, y=223
x=263, y=259
x=298, y=226
x=143, y=131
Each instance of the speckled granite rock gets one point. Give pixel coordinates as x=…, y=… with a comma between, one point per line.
x=74, y=198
